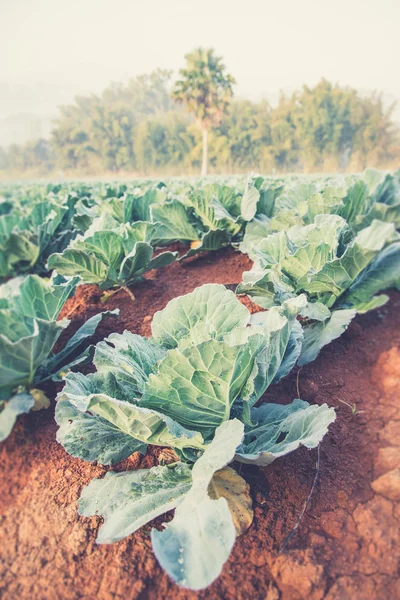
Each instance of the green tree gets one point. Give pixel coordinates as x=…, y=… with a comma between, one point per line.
x=283, y=151
x=138, y=126
x=96, y=133
x=163, y=142
x=376, y=139
x=206, y=89
x=325, y=130
x=238, y=142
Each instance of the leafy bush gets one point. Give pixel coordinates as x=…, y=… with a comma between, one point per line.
x=29, y=308
x=191, y=387
x=221, y=212
x=28, y=235
x=111, y=255
x=339, y=278
x=359, y=200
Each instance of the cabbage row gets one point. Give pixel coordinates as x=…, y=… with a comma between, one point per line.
x=69, y=226
x=74, y=229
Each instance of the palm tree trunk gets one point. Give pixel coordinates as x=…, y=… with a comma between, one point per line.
x=204, y=161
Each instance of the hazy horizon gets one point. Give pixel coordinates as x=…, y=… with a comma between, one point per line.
x=54, y=50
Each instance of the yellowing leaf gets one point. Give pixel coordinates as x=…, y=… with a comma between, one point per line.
x=227, y=484
x=41, y=400
x=195, y=244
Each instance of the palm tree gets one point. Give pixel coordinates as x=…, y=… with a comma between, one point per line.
x=206, y=89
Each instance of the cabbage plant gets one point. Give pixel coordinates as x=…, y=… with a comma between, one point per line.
x=192, y=387
x=29, y=308
x=358, y=199
x=111, y=255
x=340, y=276
x=221, y=213
x=207, y=217
x=28, y=235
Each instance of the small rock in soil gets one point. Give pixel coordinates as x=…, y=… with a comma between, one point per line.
x=388, y=485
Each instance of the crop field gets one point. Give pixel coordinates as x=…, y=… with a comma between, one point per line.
x=199, y=388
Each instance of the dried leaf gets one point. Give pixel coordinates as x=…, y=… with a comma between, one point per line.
x=227, y=484
x=41, y=400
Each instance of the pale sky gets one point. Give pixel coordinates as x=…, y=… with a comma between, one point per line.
x=62, y=47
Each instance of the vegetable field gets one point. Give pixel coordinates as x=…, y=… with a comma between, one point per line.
x=199, y=388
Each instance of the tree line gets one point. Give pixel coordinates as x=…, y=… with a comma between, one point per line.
x=151, y=126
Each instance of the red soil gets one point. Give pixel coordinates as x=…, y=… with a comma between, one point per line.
x=346, y=547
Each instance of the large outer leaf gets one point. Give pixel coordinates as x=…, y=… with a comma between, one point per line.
x=105, y=222
x=9, y=411
x=298, y=423
x=195, y=545
x=62, y=359
x=22, y=246
x=42, y=299
x=323, y=203
x=77, y=262
x=162, y=260
x=130, y=357
x=129, y=500
x=295, y=196
x=20, y=359
x=145, y=425
x=256, y=230
x=212, y=240
x=198, y=385
x=90, y=437
x=200, y=202
x=141, y=204
x=382, y=273
x=321, y=333
x=280, y=350
x=248, y=207
x=356, y=203
x=211, y=310
x=104, y=245
x=291, y=353
x=273, y=249
x=227, y=197
x=79, y=388
x=174, y=222
x=387, y=189
x=383, y=212
x=268, y=194
x=135, y=263
x=45, y=219
x=9, y=291
x=106, y=396
x=7, y=224
x=141, y=231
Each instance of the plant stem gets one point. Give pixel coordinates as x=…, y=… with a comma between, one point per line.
x=109, y=294
x=297, y=382
x=128, y=291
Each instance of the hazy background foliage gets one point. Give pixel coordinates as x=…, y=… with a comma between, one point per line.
x=138, y=128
